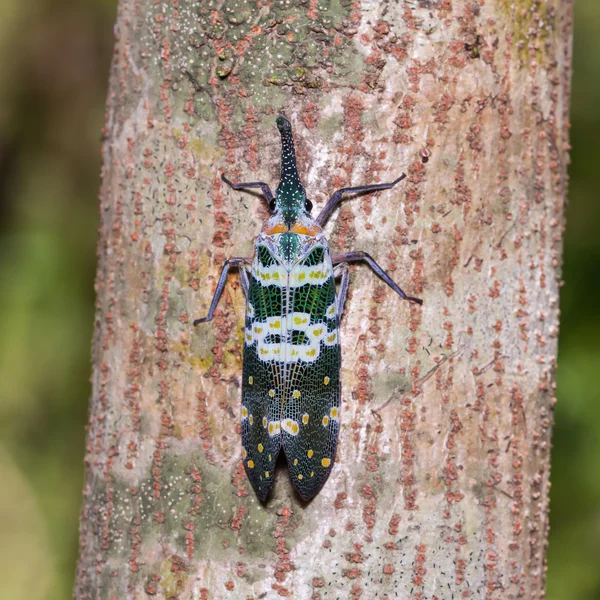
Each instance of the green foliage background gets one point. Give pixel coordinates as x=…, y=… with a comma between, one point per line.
x=55, y=57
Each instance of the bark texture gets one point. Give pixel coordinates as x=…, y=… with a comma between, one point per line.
x=440, y=488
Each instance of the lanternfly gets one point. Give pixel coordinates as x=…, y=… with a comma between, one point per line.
x=291, y=391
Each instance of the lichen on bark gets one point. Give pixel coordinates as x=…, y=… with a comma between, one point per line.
x=440, y=487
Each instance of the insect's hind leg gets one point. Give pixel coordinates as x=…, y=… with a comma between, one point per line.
x=243, y=265
x=359, y=255
x=266, y=190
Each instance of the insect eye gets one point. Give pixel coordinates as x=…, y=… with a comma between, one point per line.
x=272, y=205
x=308, y=205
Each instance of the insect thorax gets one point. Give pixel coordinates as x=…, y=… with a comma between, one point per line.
x=286, y=248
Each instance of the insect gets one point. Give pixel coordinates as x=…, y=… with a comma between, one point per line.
x=291, y=391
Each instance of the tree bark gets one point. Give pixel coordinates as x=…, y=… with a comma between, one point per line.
x=440, y=487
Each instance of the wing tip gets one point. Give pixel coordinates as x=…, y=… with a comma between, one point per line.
x=262, y=495
x=261, y=486
x=309, y=488
x=261, y=489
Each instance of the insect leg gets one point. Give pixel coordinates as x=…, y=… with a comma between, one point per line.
x=244, y=270
x=360, y=255
x=240, y=263
x=337, y=196
x=266, y=190
x=342, y=270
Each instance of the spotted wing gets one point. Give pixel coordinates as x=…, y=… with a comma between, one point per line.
x=311, y=400
x=264, y=370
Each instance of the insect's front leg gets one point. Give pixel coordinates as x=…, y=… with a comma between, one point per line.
x=243, y=264
x=265, y=189
x=359, y=255
x=336, y=198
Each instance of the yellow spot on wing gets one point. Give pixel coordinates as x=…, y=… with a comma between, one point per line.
x=251, y=464
x=326, y=380
x=325, y=462
x=267, y=474
x=250, y=380
x=260, y=448
x=272, y=393
x=325, y=420
x=264, y=421
x=334, y=413
x=299, y=475
x=295, y=461
x=305, y=418
x=310, y=453
x=296, y=394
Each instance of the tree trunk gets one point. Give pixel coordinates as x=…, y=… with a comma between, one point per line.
x=440, y=487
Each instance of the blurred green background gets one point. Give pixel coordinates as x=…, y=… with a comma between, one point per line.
x=54, y=57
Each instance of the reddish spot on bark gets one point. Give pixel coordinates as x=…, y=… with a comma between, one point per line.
x=236, y=523
x=309, y=115
x=494, y=291
x=339, y=501
x=352, y=573
x=393, y=526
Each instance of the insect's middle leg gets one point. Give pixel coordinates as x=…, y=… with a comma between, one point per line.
x=342, y=270
x=359, y=255
x=243, y=264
